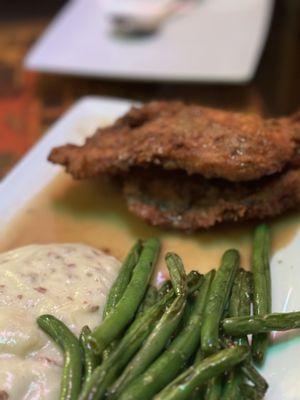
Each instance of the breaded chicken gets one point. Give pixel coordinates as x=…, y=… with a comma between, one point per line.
x=176, y=200
x=189, y=167
x=199, y=140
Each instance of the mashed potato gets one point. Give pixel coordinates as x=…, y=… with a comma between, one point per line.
x=70, y=281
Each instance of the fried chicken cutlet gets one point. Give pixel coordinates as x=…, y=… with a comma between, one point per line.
x=199, y=140
x=230, y=166
x=175, y=199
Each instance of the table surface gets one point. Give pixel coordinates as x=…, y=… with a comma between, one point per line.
x=31, y=102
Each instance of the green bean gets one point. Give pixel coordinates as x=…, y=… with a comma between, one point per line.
x=234, y=301
x=261, y=271
x=186, y=315
x=240, y=300
x=190, y=291
x=67, y=341
x=232, y=389
x=90, y=359
x=164, y=288
x=149, y=299
x=261, y=287
x=239, y=305
x=214, y=389
x=199, y=392
x=187, y=312
x=183, y=386
x=119, y=286
x=194, y=280
x=177, y=273
x=249, y=392
x=162, y=332
x=217, y=299
x=251, y=373
x=245, y=376
x=246, y=293
x=109, y=349
x=124, y=311
x=107, y=372
x=270, y=322
x=172, y=361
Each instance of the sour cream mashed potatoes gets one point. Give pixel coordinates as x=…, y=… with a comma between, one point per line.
x=70, y=281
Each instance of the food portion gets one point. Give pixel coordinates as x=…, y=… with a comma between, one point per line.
x=184, y=339
x=175, y=199
x=199, y=140
x=70, y=281
x=190, y=167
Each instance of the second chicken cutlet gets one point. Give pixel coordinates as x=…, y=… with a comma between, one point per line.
x=176, y=200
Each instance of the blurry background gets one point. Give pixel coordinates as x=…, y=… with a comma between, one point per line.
x=30, y=101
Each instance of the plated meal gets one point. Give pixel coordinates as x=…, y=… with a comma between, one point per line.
x=184, y=314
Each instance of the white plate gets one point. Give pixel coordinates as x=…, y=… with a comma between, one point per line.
x=217, y=40
x=34, y=172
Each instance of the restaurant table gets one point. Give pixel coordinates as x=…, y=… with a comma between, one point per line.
x=30, y=102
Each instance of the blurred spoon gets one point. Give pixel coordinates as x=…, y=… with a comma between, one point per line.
x=140, y=16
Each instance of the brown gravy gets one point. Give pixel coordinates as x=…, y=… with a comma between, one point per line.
x=94, y=213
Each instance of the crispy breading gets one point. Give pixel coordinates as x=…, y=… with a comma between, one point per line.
x=199, y=140
x=176, y=200
x=191, y=167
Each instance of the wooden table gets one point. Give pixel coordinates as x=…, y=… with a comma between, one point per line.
x=30, y=102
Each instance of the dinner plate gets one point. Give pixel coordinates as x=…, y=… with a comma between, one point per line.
x=213, y=41
x=33, y=173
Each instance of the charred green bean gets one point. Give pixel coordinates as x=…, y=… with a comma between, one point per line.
x=67, y=341
x=217, y=299
x=125, y=309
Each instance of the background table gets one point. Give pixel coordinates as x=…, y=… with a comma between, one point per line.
x=30, y=102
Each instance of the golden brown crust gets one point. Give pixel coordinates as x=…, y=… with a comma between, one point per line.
x=174, y=200
x=210, y=142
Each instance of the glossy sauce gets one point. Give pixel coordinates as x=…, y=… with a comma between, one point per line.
x=94, y=212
